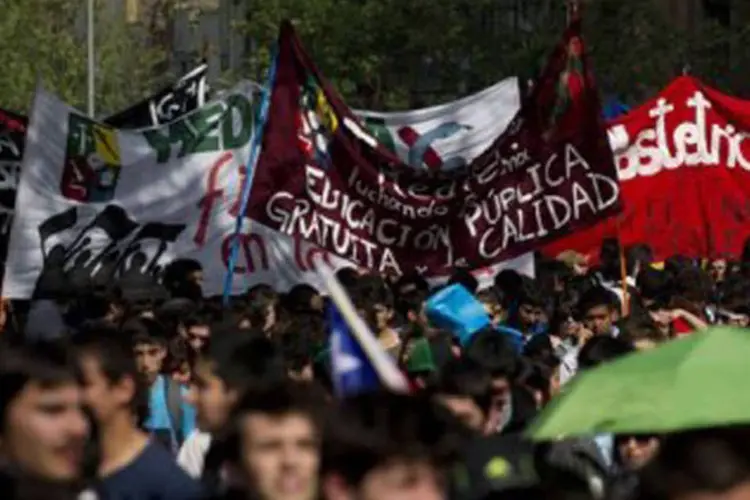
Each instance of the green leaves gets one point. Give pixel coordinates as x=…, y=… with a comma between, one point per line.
x=46, y=40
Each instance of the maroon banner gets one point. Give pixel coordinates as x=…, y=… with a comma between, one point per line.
x=322, y=177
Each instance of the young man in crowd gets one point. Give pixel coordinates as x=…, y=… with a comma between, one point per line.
x=131, y=464
x=234, y=361
x=383, y=445
x=170, y=418
x=272, y=448
x=466, y=390
x=494, y=353
x=44, y=429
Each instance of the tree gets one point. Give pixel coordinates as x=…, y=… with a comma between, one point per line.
x=45, y=40
x=396, y=54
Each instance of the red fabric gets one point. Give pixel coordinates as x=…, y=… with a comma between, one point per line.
x=548, y=174
x=680, y=327
x=692, y=199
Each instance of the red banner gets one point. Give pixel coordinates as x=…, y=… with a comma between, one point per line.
x=684, y=168
x=322, y=177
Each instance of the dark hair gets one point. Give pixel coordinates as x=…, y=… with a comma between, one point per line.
x=116, y=360
x=707, y=461
x=508, y=282
x=531, y=294
x=640, y=327
x=370, y=430
x=492, y=351
x=596, y=297
x=49, y=364
x=609, y=259
x=276, y=400
x=464, y=278
x=652, y=283
x=539, y=349
x=602, y=349
x=463, y=377
x=244, y=358
x=144, y=331
x=297, y=348
x=298, y=300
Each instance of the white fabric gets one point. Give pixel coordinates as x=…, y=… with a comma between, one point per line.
x=192, y=454
x=193, y=191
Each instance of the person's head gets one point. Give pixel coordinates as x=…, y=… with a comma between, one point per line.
x=598, y=309
x=531, y=302
x=44, y=429
x=373, y=297
x=114, y=390
x=262, y=308
x=149, y=342
x=197, y=330
x=637, y=258
x=183, y=278
x=641, y=331
x=541, y=379
x=302, y=299
x=717, y=269
x=273, y=442
x=235, y=361
x=693, y=287
x=492, y=351
x=635, y=451
x=383, y=445
x=464, y=278
x=492, y=301
x=603, y=349
x=297, y=347
x=710, y=464
x=466, y=390
x=410, y=294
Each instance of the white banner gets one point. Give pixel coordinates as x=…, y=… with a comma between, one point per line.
x=100, y=201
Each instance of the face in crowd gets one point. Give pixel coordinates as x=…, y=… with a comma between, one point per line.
x=280, y=455
x=44, y=428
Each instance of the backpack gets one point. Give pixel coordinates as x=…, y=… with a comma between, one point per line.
x=173, y=396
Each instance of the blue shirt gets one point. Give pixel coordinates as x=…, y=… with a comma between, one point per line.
x=159, y=422
x=152, y=475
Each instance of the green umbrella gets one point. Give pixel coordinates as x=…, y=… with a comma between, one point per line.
x=690, y=383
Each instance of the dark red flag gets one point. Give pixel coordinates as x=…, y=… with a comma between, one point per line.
x=321, y=176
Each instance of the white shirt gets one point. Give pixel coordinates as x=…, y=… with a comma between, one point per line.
x=192, y=454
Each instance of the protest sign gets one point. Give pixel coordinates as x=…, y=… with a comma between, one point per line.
x=186, y=94
x=99, y=201
x=549, y=174
x=684, y=167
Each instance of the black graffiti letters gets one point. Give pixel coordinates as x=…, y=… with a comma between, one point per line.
x=108, y=246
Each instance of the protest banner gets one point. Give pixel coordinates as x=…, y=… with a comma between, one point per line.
x=265, y=255
x=684, y=167
x=99, y=202
x=549, y=174
x=186, y=94
x=449, y=135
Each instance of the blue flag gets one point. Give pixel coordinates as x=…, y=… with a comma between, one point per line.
x=351, y=370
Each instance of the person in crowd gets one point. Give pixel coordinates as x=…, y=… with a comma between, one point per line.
x=529, y=316
x=263, y=306
x=704, y=464
x=197, y=330
x=466, y=390
x=44, y=427
x=170, y=419
x=234, y=362
x=271, y=446
x=641, y=331
x=494, y=353
x=183, y=279
x=131, y=465
x=383, y=445
x=374, y=299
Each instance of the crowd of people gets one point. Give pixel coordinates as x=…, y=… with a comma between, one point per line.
x=144, y=390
